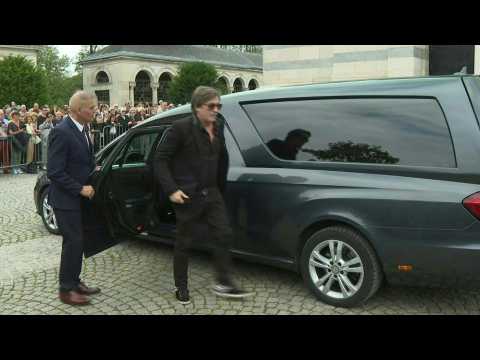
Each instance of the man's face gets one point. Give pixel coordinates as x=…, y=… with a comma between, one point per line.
x=296, y=142
x=45, y=112
x=59, y=115
x=87, y=111
x=35, y=106
x=207, y=112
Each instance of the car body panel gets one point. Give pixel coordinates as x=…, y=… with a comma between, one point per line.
x=410, y=214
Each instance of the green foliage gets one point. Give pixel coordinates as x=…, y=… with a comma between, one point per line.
x=21, y=82
x=55, y=69
x=190, y=76
x=85, y=51
x=347, y=151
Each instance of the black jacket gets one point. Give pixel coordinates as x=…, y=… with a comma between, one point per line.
x=178, y=164
x=70, y=162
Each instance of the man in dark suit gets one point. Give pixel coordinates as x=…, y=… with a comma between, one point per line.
x=191, y=167
x=70, y=162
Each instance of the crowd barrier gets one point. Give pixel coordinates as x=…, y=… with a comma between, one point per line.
x=33, y=156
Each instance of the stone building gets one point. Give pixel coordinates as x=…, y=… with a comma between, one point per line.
x=120, y=74
x=28, y=51
x=304, y=64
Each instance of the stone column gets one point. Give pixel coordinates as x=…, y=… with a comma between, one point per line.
x=131, y=87
x=154, y=94
x=476, y=70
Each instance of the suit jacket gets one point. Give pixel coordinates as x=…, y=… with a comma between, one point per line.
x=178, y=164
x=69, y=165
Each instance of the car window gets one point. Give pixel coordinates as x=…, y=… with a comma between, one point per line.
x=396, y=131
x=136, y=152
x=234, y=154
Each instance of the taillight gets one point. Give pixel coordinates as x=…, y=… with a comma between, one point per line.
x=472, y=204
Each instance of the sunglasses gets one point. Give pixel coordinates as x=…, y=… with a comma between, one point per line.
x=212, y=106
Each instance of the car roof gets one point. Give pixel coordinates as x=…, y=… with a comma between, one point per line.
x=310, y=89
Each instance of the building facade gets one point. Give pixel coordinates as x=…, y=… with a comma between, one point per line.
x=28, y=51
x=120, y=74
x=305, y=64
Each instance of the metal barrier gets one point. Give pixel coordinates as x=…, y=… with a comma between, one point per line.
x=29, y=158
x=14, y=156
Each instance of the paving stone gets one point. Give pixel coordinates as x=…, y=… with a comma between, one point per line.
x=136, y=277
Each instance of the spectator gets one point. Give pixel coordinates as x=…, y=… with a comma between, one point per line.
x=32, y=149
x=45, y=128
x=132, y=114
x=35, y=109
x=19, y=141
x=4, y=145
x=99, y=120
x=3, y=120
x=139, y=116
x=42, y=116
x=23, y=110
x=58, y=118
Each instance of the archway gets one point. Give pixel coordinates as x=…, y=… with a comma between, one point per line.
x=238, y=85
x=451, y=59
x=102, y=78
x=163, y=86
x=222, y=85
x=252, y=84
x=143, y=90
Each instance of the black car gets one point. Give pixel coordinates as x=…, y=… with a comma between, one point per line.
x=348, y=183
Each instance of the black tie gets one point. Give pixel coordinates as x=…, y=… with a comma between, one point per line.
x=86, y=133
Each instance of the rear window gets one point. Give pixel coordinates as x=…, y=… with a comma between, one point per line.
x=396, y=131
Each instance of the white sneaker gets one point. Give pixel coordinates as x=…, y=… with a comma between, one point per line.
x=230, y=291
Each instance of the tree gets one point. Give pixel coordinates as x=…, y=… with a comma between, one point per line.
x=86, y=51
x=351, y=152
x=21, y=81
x=190, y=76
x=55, y=69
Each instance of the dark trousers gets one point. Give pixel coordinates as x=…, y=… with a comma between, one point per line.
x=201, y=209
x=70, y=225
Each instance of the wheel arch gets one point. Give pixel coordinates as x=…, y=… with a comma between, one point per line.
x=325, y=222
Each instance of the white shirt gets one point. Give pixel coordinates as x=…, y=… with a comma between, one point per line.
x=80, y=128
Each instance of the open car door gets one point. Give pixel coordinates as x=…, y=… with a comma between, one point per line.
x=124, y=190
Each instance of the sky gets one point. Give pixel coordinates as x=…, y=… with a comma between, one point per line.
x=71, y=51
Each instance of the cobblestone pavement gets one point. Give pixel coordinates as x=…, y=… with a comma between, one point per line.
x=136, y=277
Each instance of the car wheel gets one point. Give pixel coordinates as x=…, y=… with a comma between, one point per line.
x=47, y=214
x=340, y=267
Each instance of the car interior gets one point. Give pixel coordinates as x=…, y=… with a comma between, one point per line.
x=130, y=187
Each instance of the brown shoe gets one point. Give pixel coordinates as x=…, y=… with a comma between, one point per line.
x=85, y=290
x=73, y=298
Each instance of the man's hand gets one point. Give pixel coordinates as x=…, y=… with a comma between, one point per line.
x=178, y=196
x=87, y=191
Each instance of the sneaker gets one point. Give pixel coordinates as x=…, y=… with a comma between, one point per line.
x=230, y=291
x=182, y=296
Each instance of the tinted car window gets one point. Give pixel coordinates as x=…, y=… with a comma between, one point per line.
x=386, y=131
x=137, y=150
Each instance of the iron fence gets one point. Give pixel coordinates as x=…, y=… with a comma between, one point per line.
x=30, y=157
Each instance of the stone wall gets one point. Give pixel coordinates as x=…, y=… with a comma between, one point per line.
x=304, y=64
x=122, y=73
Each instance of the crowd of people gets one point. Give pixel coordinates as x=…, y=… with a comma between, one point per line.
x=127, y=115
x=24, y=132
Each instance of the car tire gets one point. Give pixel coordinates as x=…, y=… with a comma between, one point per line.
x=347, y=279
x=47, y=214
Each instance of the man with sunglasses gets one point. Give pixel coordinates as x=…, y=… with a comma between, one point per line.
x=191, y=168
